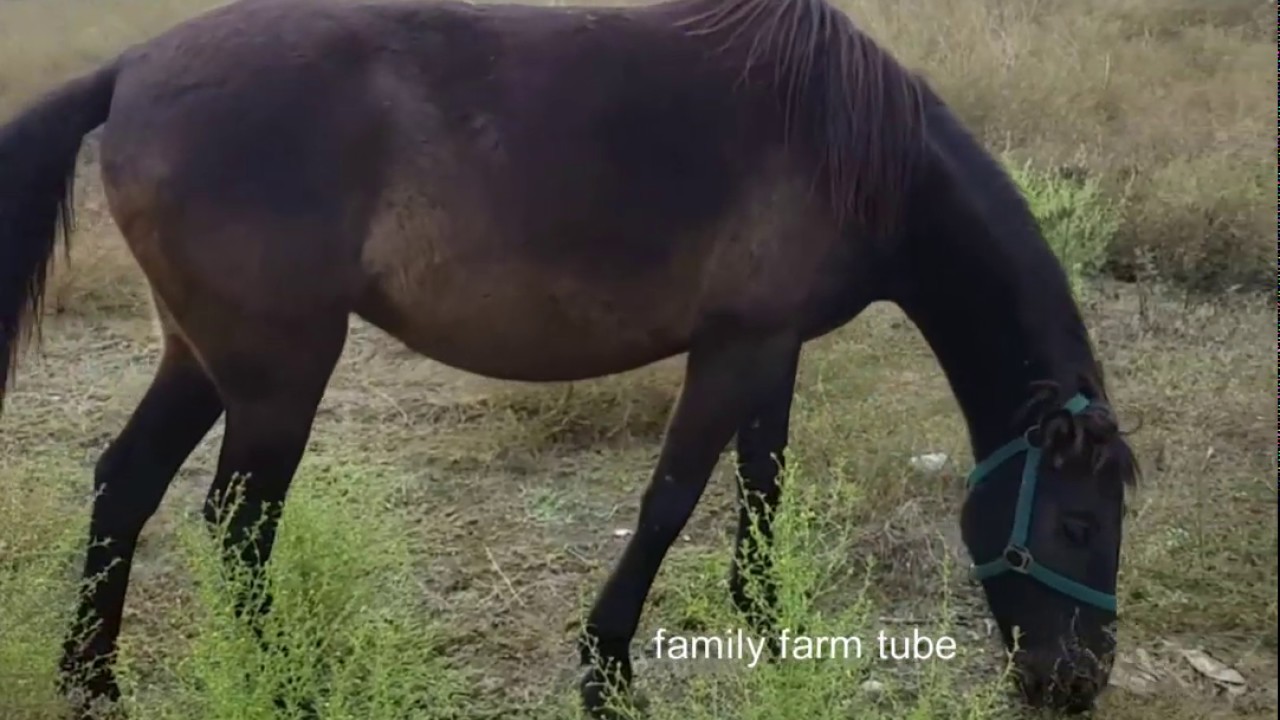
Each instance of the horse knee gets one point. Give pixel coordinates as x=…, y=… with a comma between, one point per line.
x=666, y=506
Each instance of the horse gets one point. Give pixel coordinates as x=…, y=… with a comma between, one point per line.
x=554, y=194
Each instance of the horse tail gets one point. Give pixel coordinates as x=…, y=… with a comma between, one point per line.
x=38, y=151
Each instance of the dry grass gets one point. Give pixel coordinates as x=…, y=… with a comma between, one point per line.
x=1170, y=102
x=506, y=496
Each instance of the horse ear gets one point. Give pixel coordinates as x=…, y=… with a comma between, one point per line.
x=1100, y=427
x=1062, y=438
x=1084, y=437
x=1100, y=423
x=1071, y=438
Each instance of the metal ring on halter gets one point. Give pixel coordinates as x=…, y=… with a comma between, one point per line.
x=1026, y=435
x=1018, y=558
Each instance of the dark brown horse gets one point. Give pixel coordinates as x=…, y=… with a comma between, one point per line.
x=553, y=194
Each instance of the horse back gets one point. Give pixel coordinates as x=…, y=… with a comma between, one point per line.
x=522, y=192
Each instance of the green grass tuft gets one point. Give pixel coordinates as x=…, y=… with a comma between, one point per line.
x=348, y=636
x=1078, y=218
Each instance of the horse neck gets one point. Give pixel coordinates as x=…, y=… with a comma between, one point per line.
x=985, y=290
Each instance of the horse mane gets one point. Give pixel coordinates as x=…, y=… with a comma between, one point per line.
x=853, y=107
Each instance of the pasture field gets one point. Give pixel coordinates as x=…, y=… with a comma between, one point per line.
x=446, y=532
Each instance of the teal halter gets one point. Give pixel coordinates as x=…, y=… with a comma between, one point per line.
x=1016, y=557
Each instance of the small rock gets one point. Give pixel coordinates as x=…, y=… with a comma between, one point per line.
x=1223, y=676
x=622, y=532
x=872, y=687
x=929, y=462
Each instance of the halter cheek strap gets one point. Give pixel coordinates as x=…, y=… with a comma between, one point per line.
x=1016, y=557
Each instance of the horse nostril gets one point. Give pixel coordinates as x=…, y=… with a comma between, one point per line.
x=1080, y=696
x=1063, y=688
x=1083, y=688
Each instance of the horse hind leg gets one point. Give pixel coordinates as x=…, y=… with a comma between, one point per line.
x=130, y=480
x=272, y=386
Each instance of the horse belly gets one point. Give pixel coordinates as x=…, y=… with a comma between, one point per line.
x=510, y=321
x=452, y=281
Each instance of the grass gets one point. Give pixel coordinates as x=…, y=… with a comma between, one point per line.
x=349, y=633
x=446, y=533
x=1078, y=219
x=1167, y=103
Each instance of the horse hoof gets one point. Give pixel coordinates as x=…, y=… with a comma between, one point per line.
x=96, y=708
x=91, y=690
x=605, y=700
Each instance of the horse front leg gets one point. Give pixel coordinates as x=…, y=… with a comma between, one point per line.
x=761, y=446
x=725, y=378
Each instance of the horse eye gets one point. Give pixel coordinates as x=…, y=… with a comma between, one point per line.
x=1077, y=530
